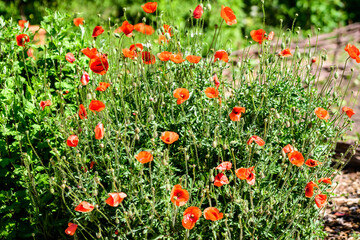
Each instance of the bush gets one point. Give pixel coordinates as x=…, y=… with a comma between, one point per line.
x=71, y=166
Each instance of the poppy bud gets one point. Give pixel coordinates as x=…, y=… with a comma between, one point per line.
x=282, y=45
x=137, y=130
x=214, y=144
x=167, y=36
x=313, y=60
x=324, y=57
x=298, y=55
x=187, y=157
x=102, y=145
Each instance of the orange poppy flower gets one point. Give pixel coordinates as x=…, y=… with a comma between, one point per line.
x=102, y=86
x=82, y=112
x=216, y=81
x=30, y=53
x=99, y=65
x=220, y=180
x=246, y=174
x=179, y=196
x=148, y=58
x=348, y=111
x=143, y=28
x=285, y=53
x=70, y=230
x=325, y=180
x=149, y=7
x=270, y=36
x=312, y=163
x=221, y=55
x=44, y=104
x=177, y=58
x=213, y=214
x=190, y=217
x=22, y=39
x=288, y=148
x=322, y=113
x=235, y=115
x=84, y=207
x=85, y=78
x=164, y=56
x=90, y=53
x=115, y=198
x=182, y=94
x=296, y=158
x=320, y=200
x=96, y=105
x=198, y=12
x=258, y=35
x=211, y=92
x=193, y=58
x=97, y=31
x=99, y=131
x=169, y=137
x=224, y=166
x=309, y=189
x=70, y=57
x=258, y=140
x=128, y=53
x=125, y=28
x=228, y=15
x=144, y=157
x=78, y=21
x=162, y=39
x=353, y=52
x=167, y=29
x=22, y=23
x=136, y=47
x=72, y=141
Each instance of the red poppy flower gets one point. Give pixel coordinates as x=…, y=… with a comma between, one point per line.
x=96, y=105
x=288, y=148
x=70, y=57
x=99, y=65
x=115, y=198
x=22, y=39
x=258, y=140
x=228, y=15
x=325, y=180
x=224, y=166
x=85, y=78
x=220, y=180
x=312, y=163
x=353, y=52
x=235, y=115
x=97, y=31
x=90, y=53
x=102, y=86
x=296, y=158
x=191, y=215
x=136, y=47
x=99, y=131
x=198, y=12
x=169, y=137
x=193, y=58
x=270, y=36
x=149, y=7
x=322, y=113
x=71, y=229
x=348, y=111
x=247, y=174
x=177, y=58
x=126, y=28
x=179, y=196
x=211, y=92
x=143, y=28
x=82, y=112
x=22, y=23
x=92, y=164
x=213, y=214
x=44, y=104
x=258, y=35
x=84, y=207
x=162, y=39
x=78, y=21
x=221, y=55
x=182, y=94
x=309, y=189
x=72, y=141
x=320, y=200
x=164, y=56
x=144, y=157
x=285, y=53
x=148, y=58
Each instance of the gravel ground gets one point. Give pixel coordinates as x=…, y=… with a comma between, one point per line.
x=342, y=215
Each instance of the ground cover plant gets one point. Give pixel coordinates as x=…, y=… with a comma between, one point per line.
x=145, y=131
